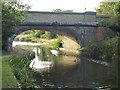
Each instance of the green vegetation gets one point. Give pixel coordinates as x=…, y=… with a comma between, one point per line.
x=59, y=10
x=13, y=13
x=57, y=44
x=24, y=74
x=105, y=49
x=107, y=7
x=8, y=79
x=40, y=37
x=112, y=8
x=35, y=36
x=16, y=70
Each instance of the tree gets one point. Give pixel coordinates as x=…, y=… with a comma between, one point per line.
x=67, y=11
x=59, y=10
x=107, y=8
x=13, y=13
x=112, y=8
x=38, y=33
x=47, y=35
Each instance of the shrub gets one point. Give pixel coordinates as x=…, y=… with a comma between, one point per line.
x=23, y=73
x=105, y=49
x=57, y=43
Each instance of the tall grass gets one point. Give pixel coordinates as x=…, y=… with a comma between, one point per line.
x=24, y=74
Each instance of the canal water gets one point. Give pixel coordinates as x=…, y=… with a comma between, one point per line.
x=69, y=71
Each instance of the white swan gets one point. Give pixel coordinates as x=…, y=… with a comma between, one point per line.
x=37, y=63
x=55, y=52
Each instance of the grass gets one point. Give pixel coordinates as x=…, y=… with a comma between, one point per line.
x=24, y=74
x=8, y=80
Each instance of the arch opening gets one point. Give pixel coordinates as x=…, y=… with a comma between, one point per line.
x=62, y=32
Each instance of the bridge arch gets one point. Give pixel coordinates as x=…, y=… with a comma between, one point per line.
x=81, y=27
x=66, y=31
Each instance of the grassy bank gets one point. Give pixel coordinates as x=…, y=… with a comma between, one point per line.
x=16, y=70
x=8, y=79
x=105, y=49
x=24, y=74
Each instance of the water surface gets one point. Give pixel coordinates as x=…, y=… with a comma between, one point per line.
x=75, y=72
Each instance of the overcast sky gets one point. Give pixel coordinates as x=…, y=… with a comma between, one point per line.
x=75, y=5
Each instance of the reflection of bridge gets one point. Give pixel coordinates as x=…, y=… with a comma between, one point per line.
x=82, y=27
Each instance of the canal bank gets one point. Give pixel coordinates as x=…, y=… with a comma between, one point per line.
x=105, y=50
x=71, y=71
x=7, y=74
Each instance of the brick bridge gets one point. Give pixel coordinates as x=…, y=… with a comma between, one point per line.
x=80, y=27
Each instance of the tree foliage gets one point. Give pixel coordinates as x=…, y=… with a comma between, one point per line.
x=112, y=8
x=13, y=13
x=36, y=34
x=59, y=10
x=109, y=8
x=112, y=45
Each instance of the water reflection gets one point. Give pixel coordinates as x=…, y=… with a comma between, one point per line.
x=74, y=72
x=38, y=63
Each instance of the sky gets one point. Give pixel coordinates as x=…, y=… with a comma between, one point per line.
x=75, y=5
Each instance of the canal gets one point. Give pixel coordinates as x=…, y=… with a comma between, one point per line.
x=75, y=72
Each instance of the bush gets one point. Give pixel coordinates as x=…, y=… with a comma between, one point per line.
x=26, y=39
x=23, y=73
x=105, y=49
x=57, y=43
